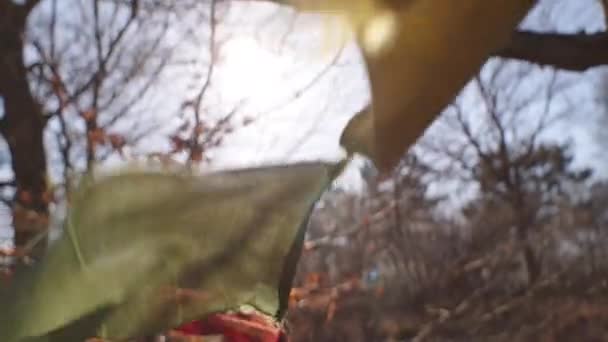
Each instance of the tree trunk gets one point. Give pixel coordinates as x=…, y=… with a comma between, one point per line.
x=22, y=126
x=531, y=263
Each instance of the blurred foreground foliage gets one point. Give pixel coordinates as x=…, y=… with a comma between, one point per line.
x=143, y=252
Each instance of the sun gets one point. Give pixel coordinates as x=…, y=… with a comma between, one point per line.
x=247, y=70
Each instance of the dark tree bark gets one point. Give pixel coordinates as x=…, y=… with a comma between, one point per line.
x=574, y=52
x=22, y=126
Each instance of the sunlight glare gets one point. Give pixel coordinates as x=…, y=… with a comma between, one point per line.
x=248, y=70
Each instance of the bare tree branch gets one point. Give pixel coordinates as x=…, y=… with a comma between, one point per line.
x=574, y=52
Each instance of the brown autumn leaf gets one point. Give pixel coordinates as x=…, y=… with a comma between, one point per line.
x=196, y=154
x=438, y=47
x=97, y=136
x=419, y=55
x=25, y=197
x=313, y=280
x=199, y=129
x=89, y=115
x=178, y=143
x=117, y=141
